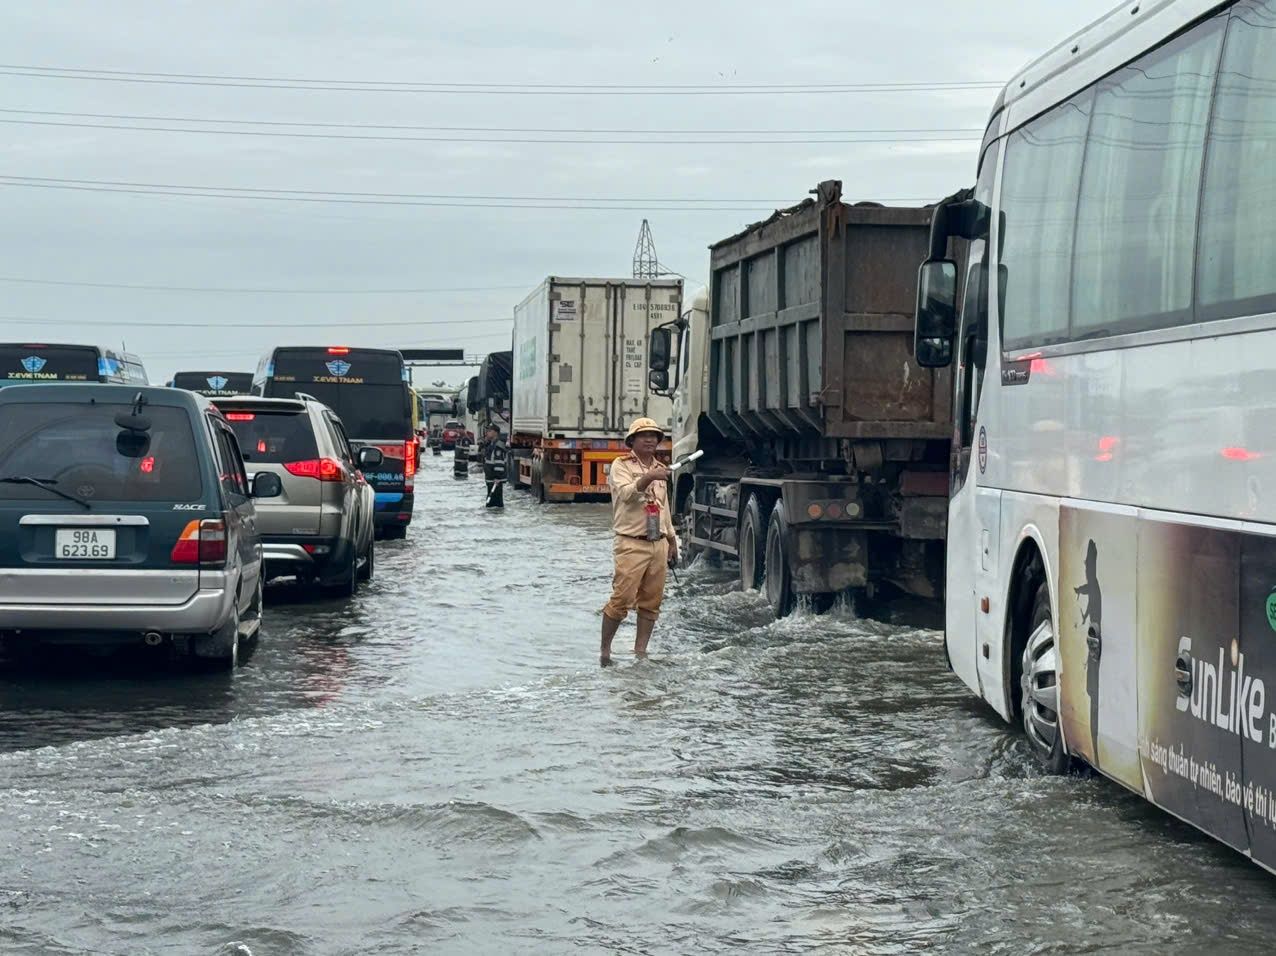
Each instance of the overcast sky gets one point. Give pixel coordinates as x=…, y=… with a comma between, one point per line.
x=494, y=252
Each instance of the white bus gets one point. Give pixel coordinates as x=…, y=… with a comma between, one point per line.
x=1111, y=575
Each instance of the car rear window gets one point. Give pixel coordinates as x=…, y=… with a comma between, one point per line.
x=82, y=451
x=273, y=437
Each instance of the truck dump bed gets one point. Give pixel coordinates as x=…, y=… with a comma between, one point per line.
x=812, y=326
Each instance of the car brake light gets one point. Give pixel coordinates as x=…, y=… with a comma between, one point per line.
x=240, y=416
x=201, y=542
x=338, y=350
x=325, y=469
x=409, y=458
x=212, y=541
x=147, y=465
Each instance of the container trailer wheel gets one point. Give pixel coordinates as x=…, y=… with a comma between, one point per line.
x=752, y=545
x=779, y=580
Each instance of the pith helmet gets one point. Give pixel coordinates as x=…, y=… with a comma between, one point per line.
x=641, y=425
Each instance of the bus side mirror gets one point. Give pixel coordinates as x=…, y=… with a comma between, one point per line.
x=936, y=320
x=659, y=351
x=658, y=379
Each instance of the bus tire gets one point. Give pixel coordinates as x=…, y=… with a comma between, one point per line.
x=752, y=545
x=1039, y=685
x=779, y=579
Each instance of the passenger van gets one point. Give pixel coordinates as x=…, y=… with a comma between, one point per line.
x=126, y=517
x=369, y=391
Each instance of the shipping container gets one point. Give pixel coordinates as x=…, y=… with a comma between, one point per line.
x=579, y=370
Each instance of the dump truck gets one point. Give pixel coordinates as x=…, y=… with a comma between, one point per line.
x=825, y=466
x=579, y=369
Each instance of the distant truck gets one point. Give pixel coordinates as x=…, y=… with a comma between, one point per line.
x=826, y=446
x=488, y=397
x=579, y=370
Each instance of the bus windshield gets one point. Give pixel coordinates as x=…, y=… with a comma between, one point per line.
x=214, y=384
x=367, y=388
x=49, y=363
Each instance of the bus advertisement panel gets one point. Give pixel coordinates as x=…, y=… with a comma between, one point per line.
x=369, y=391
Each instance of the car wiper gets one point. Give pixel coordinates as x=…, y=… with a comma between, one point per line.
x=47, y=484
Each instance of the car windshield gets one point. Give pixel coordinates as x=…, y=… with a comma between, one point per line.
x=273, y=437
x=80, y=450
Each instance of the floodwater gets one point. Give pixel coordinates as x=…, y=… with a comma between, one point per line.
x=442, y=767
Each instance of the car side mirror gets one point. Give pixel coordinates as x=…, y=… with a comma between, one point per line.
x=659, y=351
x=936, y=318
x=370, y=458
x=267, y=484
x=658, y=379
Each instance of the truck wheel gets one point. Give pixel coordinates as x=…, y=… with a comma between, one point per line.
x=779, y=581
x=752, y=547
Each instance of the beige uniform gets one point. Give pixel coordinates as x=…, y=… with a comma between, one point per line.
x=641, y=565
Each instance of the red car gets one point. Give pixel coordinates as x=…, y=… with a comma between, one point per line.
x=454, y=433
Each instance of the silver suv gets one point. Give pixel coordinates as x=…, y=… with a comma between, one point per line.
x=320, y=530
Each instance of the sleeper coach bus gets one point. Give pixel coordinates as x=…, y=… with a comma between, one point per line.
x=23, y=362
x=1111, y=579
x=214, y=384
x=368, y=389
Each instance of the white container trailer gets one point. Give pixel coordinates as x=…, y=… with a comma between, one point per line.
x=580, y=377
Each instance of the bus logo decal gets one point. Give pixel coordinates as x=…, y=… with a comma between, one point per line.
x=217, y=382
x=1271, y=610
x=33, y=363
x=983, y=449
x=338, y=367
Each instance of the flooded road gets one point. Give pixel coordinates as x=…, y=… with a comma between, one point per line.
x=442, y=767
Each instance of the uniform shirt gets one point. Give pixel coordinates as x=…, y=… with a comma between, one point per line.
x=629, y=505
x=495, y=452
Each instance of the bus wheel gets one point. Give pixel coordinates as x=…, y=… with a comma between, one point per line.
x=752, y=544
x=779, y=581
x=1039, y=686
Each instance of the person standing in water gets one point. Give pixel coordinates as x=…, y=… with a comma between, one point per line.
x=495, y=456
x=1092, y=613
x=645, y=544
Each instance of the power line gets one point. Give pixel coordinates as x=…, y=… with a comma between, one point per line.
x=504, y=89
x=373, y=198
x=291, y=124
x=218, y=324
x=252, y=291
x=504, y=140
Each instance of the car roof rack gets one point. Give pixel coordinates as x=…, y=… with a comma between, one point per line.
x=306, y=397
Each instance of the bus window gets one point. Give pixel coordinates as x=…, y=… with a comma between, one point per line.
x=1039, y=199
x=1238, y=228
x=1136, y=223
x=49, y=363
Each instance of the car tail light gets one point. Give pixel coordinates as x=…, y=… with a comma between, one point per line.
x=201, y=542
x=325, y=469
x=240, y=416
x=338, y=350
x=186, y=550
x=212, y=541
x=409, y=458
